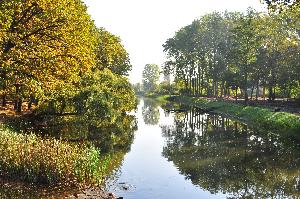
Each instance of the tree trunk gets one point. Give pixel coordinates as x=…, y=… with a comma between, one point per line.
x=217, y=89
x=246, y=87
x=194, y=86
x=246, y=95
x=252, y=89
x=186, y=85
x=223, y=91
x=257, y=90
x=236, y=93
x=63, y=106
x=4, y=100
x=18, y=100
x=199, y=84
x=29, y=105
x=190, y=86
x=202, y=84
x=19, y=109
x=30, y=102
x=51, y=107
x=270, y=93
x=213, y=88
x=16, y=105
x=274, y=94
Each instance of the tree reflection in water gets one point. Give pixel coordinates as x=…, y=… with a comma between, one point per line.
x=225, y=156
x=113, y=140
x=150, y=112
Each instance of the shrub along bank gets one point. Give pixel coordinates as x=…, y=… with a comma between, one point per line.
x=33, y=159
x=280, y=122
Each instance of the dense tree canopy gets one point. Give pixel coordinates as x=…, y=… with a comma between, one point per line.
x=279, y=5
x=45, y=46
x=52, y=53
x=223, y=54
x=111, y=53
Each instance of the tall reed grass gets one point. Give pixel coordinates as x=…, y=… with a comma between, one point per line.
x=35, y=159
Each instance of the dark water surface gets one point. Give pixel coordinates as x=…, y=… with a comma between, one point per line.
x=177, y=154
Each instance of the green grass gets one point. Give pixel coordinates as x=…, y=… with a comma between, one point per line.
x=280, y=122
x=34, y=159
x=162, y=98
x=159, y=98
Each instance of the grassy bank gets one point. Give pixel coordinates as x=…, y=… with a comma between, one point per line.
x=160, y=98
x=281, y=122
x=34, y=159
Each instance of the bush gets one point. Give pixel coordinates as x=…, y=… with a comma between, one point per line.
x=33, y=159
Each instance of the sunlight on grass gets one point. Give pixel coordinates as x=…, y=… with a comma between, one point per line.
x=49, y=161
x=281, y=122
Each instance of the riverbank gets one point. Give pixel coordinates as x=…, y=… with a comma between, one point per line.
x=18, y=189
x=44, y=163
x=281, y=122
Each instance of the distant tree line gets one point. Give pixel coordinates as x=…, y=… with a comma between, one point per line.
x=237, y=54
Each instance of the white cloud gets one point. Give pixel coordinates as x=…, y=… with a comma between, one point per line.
x=144, y=25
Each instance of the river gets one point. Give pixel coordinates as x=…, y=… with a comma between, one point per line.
x=176, y=152
x=191, y=154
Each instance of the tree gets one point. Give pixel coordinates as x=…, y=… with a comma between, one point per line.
x=280, y=5
x=46, y=46
x=151, y=74
x=104, y=97
x=111, y=54
x=245, y=45
x=224, y=53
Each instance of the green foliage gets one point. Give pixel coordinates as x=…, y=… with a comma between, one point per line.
x=223, y=53
x=138, y=89
x=222, y=155
x=151, y=74
x=164, y=88
x=111, y=53
x=53, y=55
x=51, y=161
x=45, y=46
x=280, y=5
x=280, y=122
x=104, y=97
x=49, y=48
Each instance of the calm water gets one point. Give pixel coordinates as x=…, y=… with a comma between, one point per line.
x=196, y=155
x=160, y=154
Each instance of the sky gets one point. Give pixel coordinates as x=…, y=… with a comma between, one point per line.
x=145, y=25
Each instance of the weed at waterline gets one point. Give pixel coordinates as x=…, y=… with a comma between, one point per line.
x=33, y=159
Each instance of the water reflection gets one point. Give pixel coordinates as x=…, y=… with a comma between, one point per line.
x=113, y=140
x=150, y=112
x=75, y=128
x=214, y=154
x=225, y=156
